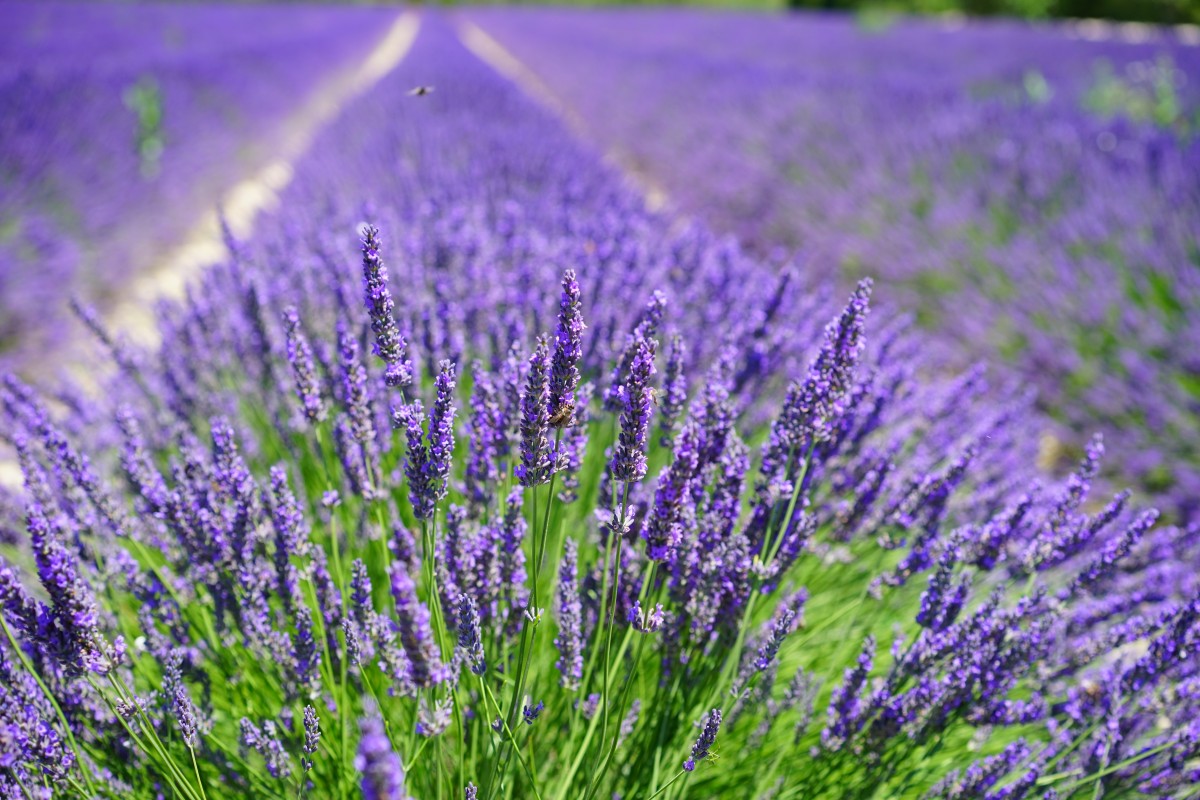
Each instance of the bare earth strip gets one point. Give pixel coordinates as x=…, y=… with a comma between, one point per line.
x=500, y=59
x=242, y=204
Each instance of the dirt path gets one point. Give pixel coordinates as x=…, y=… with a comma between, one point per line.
x=495, y=55
x=242, y=203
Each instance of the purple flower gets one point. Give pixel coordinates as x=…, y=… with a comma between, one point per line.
x=427, y=464
x=568, y=349
x=845, y=706
x=944, y=597
x=663, y=531
x=389, y=344
x=646, y=328
x=787, y=618
x=535, y=466
x=629, y=458
x=74, y=633
x=382, y=772
x=181, y=703
x=416, y=634
x=674, y=391
x=644, y=621
x=265, y=741
x=306, y=653
x=304, y=373
x=531, y=713
x=433, y=720
x=569, y=640
x=630, y=721
x=814, y=405
x=705, y=741
x=312, y=735
x=470, y=639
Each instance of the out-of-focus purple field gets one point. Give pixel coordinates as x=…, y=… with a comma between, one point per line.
x=93, y=189
x=1029, y=195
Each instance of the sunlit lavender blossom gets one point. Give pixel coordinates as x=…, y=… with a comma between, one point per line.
x=382, y=772
x=629, y=457
x=569, y=640
x=304, y=373
x=568, y=349
x=389, y=344
x=534, y=467
x=265, y=740
x=705, y=741
x=312, y=736
x=531, y=713
x=674, y=392
x=645, y=621
x=469, y=637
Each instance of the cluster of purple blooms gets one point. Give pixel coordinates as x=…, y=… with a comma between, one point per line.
x=981, y=171
x=253, y=561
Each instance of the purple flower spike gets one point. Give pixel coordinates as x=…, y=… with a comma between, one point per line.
x=470, y=639
x=568, y=349
x=382, y=772
x=674, y=392
x=814, y=405
x=531, y=713
x=570, y=620
x=416, y=634
x=629, y=459
x=300, y=356
x=427, y=465
x=312, y=735
x=706, y=739
x=645, y=621
x=845, y=706
x=389, y=344
x=534, y=468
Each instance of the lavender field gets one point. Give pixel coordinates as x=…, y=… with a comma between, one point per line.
x=610, y=405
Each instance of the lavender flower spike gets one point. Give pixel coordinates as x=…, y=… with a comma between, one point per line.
x=382, y=772
x=531, y=713
x=300, y=356
x=629, y=460
x=312, y=736
x=570, y=620
x=534, y=468
x=389, y=344
x=707, y=737
x=427, y=465
x=568, y=349
x=469, y=637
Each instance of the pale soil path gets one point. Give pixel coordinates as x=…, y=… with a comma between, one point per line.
x=495, y=55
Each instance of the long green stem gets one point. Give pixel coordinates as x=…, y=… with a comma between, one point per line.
x=196, y=769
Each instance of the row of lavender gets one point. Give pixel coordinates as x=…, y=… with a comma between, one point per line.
x=469, y=477
x=121, y=125
x=1029, y=196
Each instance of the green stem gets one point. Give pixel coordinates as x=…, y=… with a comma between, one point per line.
x=196, y=769
x=667, y=785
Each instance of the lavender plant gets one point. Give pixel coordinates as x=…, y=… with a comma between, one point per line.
x=256, y=566
x=1024, y=192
